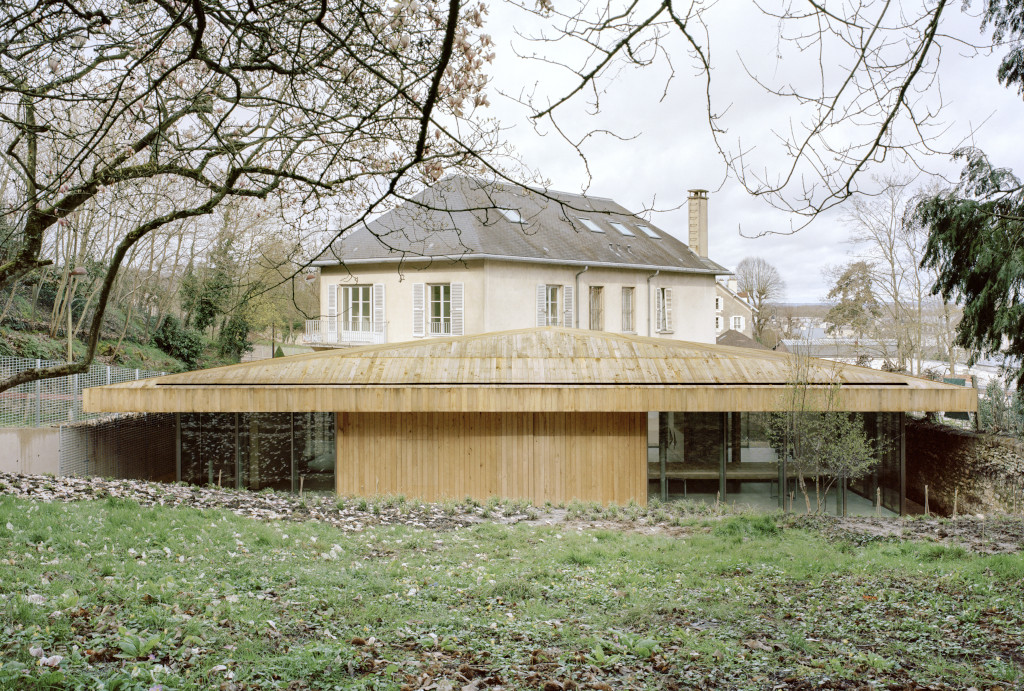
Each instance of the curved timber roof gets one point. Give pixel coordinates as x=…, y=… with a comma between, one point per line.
x=541, y=369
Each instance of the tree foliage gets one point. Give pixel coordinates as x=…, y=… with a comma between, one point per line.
x=854, y=304
x=233, y=339
x=976, y=228
x=976, y=245
x=826, y=445
x=179, y=341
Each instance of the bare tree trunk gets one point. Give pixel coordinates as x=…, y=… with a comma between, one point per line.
x=10, y=300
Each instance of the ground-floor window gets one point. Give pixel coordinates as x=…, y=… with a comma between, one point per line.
x=753, y=459
x=280, y=451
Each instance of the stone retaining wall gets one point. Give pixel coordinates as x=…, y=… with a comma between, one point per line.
x=985, y=471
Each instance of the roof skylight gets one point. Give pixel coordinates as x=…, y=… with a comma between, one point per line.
x=590, y=225
x=649, y=233
x=512, y=215
x=621, y=228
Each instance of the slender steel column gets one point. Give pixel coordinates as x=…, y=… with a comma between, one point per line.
x=663, y=453
x=238, y=458
x=724, y=421
x=903, y=464
x=177, y=446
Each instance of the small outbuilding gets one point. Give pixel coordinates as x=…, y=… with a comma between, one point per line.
x=546, y=414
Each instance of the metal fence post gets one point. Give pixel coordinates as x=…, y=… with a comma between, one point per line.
x=75, y=394
x=108, y=375
x=136, y=374
x=39, y=396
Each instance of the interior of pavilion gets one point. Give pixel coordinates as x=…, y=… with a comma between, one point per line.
x=710, y=457
x=753, y=459
x=286, y=452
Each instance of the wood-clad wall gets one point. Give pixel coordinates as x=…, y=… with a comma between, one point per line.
x=542, y=457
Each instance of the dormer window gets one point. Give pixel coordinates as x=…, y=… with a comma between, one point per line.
x=590, y=225
x=621, y=228
x=512, y=215
x=649, y=232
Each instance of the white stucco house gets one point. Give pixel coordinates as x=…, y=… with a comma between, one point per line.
x=467, y=256
x=732, y=310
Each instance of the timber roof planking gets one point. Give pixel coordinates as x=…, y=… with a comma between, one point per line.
x=540, y=369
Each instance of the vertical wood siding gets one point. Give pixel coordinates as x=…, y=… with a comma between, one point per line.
x=542, y=457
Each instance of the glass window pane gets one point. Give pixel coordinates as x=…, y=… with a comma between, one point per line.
x=622, y=228
x=315, y=451
x=265, y=451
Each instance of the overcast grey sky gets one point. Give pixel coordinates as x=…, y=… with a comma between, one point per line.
x=671, y=150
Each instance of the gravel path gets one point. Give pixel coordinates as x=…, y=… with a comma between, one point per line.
x=1004, y=534
x=257, y=505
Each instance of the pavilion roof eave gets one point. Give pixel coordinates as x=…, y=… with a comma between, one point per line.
x=542, y=369
x=148, y=397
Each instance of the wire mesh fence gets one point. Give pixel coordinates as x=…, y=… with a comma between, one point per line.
x=135, y=446
x=58, y=400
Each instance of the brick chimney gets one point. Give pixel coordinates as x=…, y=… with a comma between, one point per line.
x=699, y=222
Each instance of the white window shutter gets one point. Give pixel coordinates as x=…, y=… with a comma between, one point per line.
x=418, y=309
x=569, y=306
x=457, y=291
x=332, y=300
x=659, y=320
x=378, y=306
x=542, y=307
x=668, y=309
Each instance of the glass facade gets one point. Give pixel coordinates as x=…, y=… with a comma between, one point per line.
x=752, y=458
x=281, y=451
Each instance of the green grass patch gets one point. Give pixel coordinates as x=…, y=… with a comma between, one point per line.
x=106, y=594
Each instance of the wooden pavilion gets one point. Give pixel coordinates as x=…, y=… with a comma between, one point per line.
x=547, y=414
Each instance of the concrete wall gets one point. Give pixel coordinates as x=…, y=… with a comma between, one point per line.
x=985, y=471
x=29, y=450
x=503, y=295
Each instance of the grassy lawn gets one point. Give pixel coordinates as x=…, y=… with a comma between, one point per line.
x=106, y=594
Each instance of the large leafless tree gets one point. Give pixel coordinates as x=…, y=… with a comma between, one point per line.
x=168, y=108
x=324, y=107
x=763, y=285
x=857, y=78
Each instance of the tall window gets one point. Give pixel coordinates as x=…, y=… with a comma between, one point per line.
x=440, y=309
x=552, y=303
x=355, y=308
x=597, y=308
x=737, y=323
x=663, y=310
x=627, y=310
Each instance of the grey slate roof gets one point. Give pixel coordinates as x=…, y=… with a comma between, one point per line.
x=738, y=340
x=838, y=347
x=459, y=218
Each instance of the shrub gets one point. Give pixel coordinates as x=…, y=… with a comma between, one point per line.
x=178, y=342
x=233, y=340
